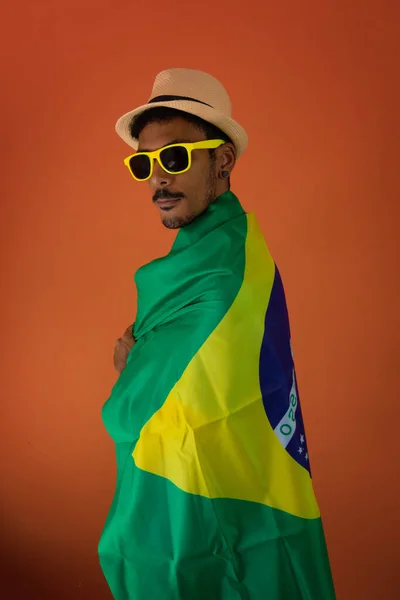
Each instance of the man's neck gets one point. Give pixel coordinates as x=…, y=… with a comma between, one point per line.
x=223, y=209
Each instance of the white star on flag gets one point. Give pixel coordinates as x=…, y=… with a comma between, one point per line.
x=306, y=455
x=302, y=439
x=300, y=450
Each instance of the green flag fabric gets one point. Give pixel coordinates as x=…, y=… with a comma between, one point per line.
x=214, y=497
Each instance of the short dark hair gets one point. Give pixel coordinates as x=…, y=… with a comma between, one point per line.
x=163, y=114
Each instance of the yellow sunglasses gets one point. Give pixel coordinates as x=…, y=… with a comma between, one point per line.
x=174, y=158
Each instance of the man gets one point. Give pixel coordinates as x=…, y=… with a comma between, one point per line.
x=214, y=496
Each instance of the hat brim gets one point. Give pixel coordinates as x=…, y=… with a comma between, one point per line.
x=232, y=129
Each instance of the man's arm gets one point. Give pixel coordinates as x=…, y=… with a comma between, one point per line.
x=123, y=346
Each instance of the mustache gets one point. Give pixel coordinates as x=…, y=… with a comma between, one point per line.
x=166, y=195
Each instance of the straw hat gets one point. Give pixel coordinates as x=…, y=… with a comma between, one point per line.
x=193, y=92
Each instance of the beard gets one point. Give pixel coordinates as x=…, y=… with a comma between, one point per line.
x=210, y=195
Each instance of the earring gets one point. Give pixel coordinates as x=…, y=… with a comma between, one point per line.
x=225, y=174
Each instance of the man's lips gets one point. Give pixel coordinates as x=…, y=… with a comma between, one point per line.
x=167, y=202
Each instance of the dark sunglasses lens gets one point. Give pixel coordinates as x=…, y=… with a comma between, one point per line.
x=140, y=166
x=175, y=159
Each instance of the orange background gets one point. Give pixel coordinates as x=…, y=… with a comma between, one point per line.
x=316, y=84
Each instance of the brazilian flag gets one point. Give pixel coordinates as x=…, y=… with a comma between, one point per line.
x=214, y=497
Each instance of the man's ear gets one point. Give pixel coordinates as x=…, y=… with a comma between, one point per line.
x=226, y=157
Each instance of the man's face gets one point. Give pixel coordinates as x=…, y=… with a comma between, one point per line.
x=180, y=198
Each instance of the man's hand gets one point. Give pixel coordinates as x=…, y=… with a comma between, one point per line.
x=122, y=348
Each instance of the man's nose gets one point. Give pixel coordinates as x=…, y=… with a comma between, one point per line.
x=160, y=177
